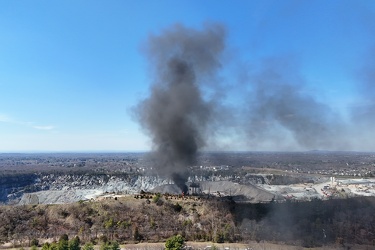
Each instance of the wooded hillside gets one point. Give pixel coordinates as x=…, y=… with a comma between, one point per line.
x=155, y=218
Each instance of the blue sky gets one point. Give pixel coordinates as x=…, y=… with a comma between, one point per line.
x=70, y=71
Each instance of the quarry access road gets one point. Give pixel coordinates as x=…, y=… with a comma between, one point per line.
x=319, y=187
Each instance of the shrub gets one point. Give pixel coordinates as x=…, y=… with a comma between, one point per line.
x=64, y=237
x=74, y=244
x=63, y=243
x=175, y=243
x=105, y=246
x=156, y=198
x=136, y=234
x=177, y=207
x=34, y=242
x=110, y=246
x=46, y=246
x=88, y=246
x=115, y=246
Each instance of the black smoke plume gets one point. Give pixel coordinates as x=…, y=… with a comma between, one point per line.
x=176, y=115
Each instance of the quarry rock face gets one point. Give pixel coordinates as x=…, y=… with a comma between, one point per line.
x=66, y=188
x=55, y=188
x=12, y=187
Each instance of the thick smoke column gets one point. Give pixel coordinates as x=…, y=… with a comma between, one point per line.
x=176, y=115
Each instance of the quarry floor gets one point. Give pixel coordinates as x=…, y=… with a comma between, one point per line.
x=342, y=188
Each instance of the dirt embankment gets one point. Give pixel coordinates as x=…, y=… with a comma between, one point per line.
x=249, y=193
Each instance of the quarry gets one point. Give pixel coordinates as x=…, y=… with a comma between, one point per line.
x=59, y=179
x=74, y=192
